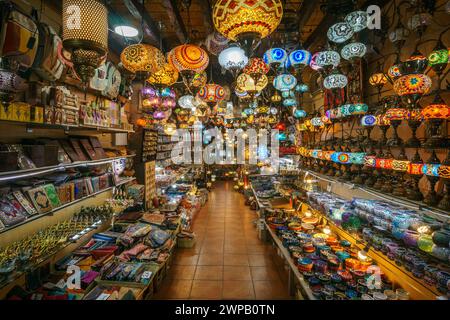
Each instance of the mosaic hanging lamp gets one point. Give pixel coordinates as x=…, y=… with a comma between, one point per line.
x=353, y=51
x=438, y=59
x=233, y=59
x=285, y=82
x=435, y=114
x=86, y=37
x=166, y=76
x=247, y=21
x=357, y=20
x=298, y=59
x=275, y=57
x=412, y=87
x=142, y=58
x=340, y=32
x=216, y=43
x=212, y=94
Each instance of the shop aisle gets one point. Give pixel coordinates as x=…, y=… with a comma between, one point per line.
x=228, y=261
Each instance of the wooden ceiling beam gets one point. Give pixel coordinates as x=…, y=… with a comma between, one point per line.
x=207, y=15
x=150, y=26
x=176, y=20
x=306, y=10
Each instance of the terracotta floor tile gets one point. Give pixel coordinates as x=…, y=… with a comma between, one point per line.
x=260, y=260
x=210, y=259
x=238, y=290
x=185, y=260
x=237, y=249
x=208, y=249
x=209, y=273
x=175, y=289
x=252, y=249
x=236, y=273
x=181, y=272
x=270, y=290
x=265, y=273
x=204, y=289
x=235, y=259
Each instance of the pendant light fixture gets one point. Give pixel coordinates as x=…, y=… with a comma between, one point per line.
x=86, y=37
x=233, y=59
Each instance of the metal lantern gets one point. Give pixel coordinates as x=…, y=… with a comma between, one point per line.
x=85, y=35
x=419, y=22
x=357, y=20
x=340, y=32
x=233, y=59
x=285, y=82
x=142, y=58
x=275, y=56
x=247, y=21
x=353, y=51
x=166, y=76
x=378, y=80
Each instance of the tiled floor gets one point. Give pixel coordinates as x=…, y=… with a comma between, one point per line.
x=228, y=261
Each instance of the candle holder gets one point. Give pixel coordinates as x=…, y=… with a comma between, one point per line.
x=431, y=198
x=436, y=115
x=415, y=174
x=444, y=204
x=395, y=141
x=387, y=186
x=414, y=142
x=399, y=188
x=378, y=173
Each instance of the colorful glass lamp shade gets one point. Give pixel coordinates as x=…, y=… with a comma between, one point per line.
x=302, y=88
x=328, y=59
x=233, y=59
x=275, y=57
x=412, y=87
x=86, y=37
x=188, y=58
x=378, y=79
x=187, y=102
x=335, y=81
x=247, y=83
x=438, y=58
x=247, y=21
x=142, y=58
x=166, y=76
x=299, y=58
x=285, y=82
x=290, y=103
x=416, y=63
x=368, y=121
x=216, y=42
x=353, y=51
x=395, y=116
x=357, y=20
x=256, y=67
x=435, y=114
x=212, y=94
x=299, y=114
x=340, y=32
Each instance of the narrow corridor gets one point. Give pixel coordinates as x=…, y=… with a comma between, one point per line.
x=228, y=260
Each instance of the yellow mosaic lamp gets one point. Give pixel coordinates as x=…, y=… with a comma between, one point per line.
x=142, y=58
x=166, y=76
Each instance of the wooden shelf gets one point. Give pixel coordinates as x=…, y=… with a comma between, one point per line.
x=24, y=174
x=56, y=210
x=74, y=128
x=349, y=190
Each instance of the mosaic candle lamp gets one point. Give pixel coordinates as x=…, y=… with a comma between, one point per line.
x=313, y=64
x=299, y=114
x=166, y=76
x=412, y=87
x=370, y=161
x=275, y=57
x=438, y=58
x=256, y=67
x=346, y=110
x=400, y=165
x=396, y=116
x=431, y=169
x=359, y=109
x=394, y=72
x=384, y=124
x=368, y=120
x=285, y=82
x=246, y=82
x=435, y=114
x=357, y=158
x=378, y=80
x=340, y=32
x=317, y=122
x=87, y=39
x=416, y=63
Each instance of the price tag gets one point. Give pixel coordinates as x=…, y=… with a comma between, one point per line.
x=147, y=275
x=103, y=296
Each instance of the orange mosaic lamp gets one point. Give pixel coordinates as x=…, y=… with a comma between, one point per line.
x=188, y=57
x=166, y=76
x=212, y=94
x=438, y=110
x=234, y=18
x=142, y=58
x=256, y=66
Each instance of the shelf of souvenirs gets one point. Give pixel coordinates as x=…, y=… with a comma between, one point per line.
x=417, y=288
x=165, y=178
x=66, y=127
x=35, y=217
x=305, y=288
x=23, y=174
x=347, y=190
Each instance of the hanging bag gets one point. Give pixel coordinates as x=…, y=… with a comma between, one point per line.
x=48, y=64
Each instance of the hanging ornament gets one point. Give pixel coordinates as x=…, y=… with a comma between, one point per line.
x=142, y=58
x=285, y=82
x=340, y=32
x=357, y=20
x=166, y=76
x=233, y=59
x=211, y=94
x=353, y=51
x=85, y=37
x=276, y=57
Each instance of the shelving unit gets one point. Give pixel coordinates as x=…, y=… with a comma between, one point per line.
x=15, y=175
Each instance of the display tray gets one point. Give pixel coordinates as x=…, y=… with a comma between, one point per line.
x=153, y=267
x=138, y=293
